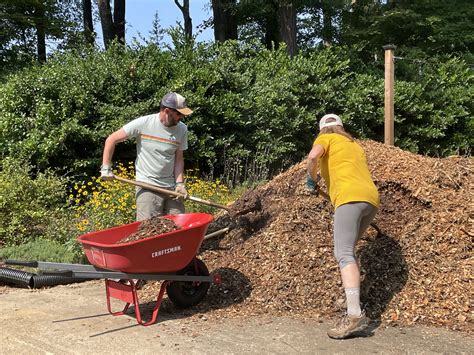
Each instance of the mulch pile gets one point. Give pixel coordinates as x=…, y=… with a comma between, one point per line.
x=416, y=260
x=151, y=227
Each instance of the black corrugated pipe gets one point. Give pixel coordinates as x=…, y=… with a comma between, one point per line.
x=16, y=277
x=27, y=279
x=54, y=280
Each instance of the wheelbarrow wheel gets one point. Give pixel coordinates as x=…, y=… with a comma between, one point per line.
x=186, y=294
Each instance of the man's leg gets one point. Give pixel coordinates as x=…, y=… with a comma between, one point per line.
x=149, y=204
x=173, y=206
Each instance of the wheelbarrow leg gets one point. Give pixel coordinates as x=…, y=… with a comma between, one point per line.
x=155, y=309
x=117, y=290
x=128, y=294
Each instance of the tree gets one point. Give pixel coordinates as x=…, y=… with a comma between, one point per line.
x=88, y=22
x=113, y=28
x=273, y=20
x=432, y=27
x=188, y=23
x=224, y=20
x=287, y=25
x=27, y=24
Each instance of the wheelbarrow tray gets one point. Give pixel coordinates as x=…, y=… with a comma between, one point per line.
x=162, y=253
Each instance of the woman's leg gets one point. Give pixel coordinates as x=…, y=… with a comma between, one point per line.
x=350, y=222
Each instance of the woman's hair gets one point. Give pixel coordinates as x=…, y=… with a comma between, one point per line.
x=336, y=129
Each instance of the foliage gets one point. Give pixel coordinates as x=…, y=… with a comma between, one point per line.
x=215, y=191
x=29, y=205
x=255, y=109
x=434, y=115
x=21, y=21
x=99, y=204
x=41, y=249
x=60, y=114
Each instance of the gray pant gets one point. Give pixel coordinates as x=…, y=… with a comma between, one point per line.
x=150, y=204
x=351, y=220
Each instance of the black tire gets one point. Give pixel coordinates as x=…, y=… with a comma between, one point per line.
x=186, y=294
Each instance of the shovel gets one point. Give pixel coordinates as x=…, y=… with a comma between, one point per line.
x=155, y=188
x=161, y=190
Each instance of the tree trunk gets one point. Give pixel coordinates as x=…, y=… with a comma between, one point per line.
x=88, y=22
x=327, y=32
x=287, y=25
x=272, y=35
x=40, y=33
x=106, y=21
x=225, y=24
x=119, y=20
x=41, y=43
x=188, y=23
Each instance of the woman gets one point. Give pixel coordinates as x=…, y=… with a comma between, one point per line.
x=355, y=199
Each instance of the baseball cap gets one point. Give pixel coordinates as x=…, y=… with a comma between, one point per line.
x=324, y=121
x=176, y=102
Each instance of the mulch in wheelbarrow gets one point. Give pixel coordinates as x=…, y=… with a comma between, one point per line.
x=151, y=227
x=417, y=267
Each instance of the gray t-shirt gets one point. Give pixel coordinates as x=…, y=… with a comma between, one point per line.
x=156, y=148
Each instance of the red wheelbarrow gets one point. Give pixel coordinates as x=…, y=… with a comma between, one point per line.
x=169, y=257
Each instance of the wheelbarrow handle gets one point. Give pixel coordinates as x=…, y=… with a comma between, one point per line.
x=21, y=263
x=161, y=190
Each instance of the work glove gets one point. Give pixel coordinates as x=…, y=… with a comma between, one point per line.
x=106, y=173
x=181, y=188
x=311, y=185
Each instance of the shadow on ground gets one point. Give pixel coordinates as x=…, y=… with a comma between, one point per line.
x=218, y=297
x=385, y=273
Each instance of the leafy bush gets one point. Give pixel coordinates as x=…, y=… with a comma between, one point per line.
x=215, y=191
x=255, y=109
x=41, y=250
x=29, y=204
x=99, y=204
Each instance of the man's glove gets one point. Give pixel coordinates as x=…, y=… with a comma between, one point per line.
x=181, y=188
x=106, y=173
x=311, y=185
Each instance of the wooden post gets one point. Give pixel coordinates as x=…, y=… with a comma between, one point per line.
x=389, y=93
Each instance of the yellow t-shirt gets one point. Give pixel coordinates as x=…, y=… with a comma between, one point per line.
x=345, y=171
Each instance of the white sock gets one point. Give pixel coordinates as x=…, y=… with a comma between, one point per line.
x=353, y=301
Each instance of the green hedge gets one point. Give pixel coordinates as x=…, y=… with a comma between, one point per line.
x=31, y=205
x=256, y=110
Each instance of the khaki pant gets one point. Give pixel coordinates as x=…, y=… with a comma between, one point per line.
x=150, y=204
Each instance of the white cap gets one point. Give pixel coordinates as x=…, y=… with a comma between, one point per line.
x=323, y=123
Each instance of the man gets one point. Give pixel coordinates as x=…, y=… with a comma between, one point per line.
x=161, y=140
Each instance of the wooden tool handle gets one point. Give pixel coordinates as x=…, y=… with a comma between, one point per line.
x=155, y=188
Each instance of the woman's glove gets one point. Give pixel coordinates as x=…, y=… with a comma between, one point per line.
x=311, y=185
x=181, y=188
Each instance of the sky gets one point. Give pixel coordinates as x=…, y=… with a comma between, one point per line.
x=139, y=15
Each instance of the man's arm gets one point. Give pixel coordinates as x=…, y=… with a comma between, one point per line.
x=109, y=146
x=179, y=166
x=179, y=173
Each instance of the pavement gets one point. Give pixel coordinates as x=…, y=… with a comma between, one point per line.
x=73, y=319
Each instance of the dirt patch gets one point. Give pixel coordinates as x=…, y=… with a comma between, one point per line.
x=151, y=227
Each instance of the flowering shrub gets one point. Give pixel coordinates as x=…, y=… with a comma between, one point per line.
x=102, y=204
x=99, y=204
x=215, y=191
